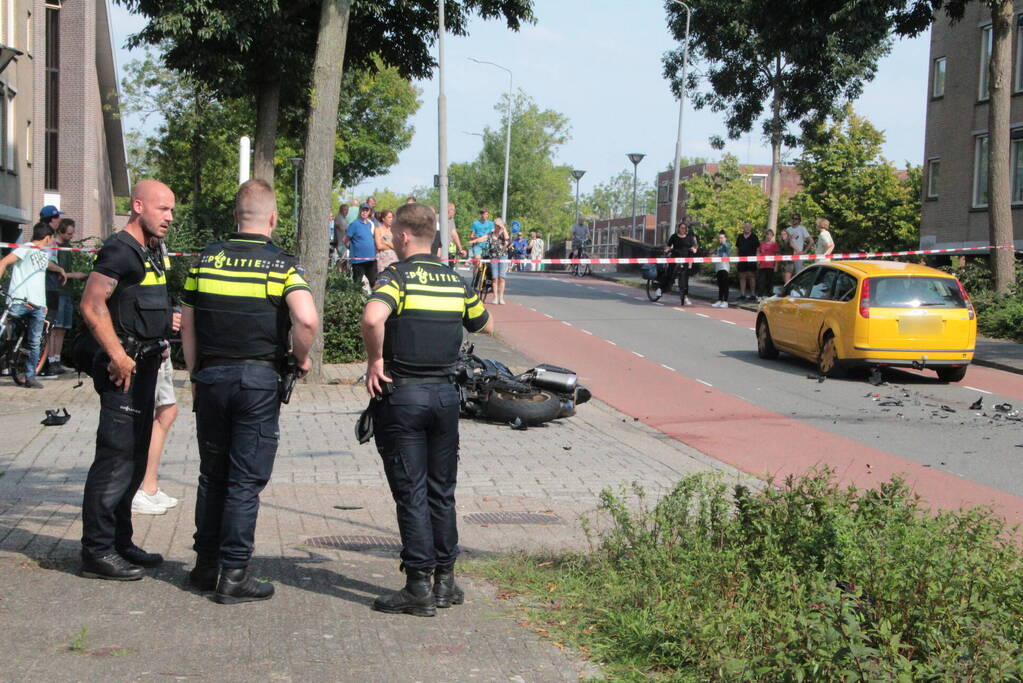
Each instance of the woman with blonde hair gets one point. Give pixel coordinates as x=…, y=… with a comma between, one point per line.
x=384, y=240
x=500, y=243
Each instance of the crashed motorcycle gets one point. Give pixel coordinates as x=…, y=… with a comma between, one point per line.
x=490, y=391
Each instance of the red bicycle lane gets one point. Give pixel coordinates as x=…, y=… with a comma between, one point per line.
x=750, y=438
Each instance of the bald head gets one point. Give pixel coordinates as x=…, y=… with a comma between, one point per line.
x=152, y=208
x=255, y=207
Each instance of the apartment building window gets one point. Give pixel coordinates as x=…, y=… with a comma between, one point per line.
x=1016, y=163
x=52, y=97
x=759, y=180
x=28, y=33
x=980, y=157
x=933, y=177
x=985, y=62
x=662, y=193
x=938, y=78
x=1017, y=66
x=9, y=132
x=5, y=116
x=28, y=142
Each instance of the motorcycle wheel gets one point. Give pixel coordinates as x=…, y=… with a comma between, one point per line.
x=533, y=409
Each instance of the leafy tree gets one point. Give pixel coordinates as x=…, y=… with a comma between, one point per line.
x=793, y=59
x=613, y=199
x=871, y=206
x=724, y=199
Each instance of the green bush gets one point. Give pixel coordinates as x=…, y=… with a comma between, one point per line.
x=998, y=316
x=803, y=582
x=342, y=312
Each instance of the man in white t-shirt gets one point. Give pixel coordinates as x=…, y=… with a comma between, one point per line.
x=798, y=235
x=27, y=287
x=825, y=242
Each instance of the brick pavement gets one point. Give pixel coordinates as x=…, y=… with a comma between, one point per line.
x=319, y=626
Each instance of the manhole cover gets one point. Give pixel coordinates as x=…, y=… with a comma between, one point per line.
x=511, y=518
x=355, y=542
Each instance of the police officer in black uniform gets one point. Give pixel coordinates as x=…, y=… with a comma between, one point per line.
x=126, y=307
x=246, y=305
x=412, y=329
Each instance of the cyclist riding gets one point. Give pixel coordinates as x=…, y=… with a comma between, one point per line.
x=683, y=243
x=580, y=236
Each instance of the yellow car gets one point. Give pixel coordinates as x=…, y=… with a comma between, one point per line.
x=883, y=313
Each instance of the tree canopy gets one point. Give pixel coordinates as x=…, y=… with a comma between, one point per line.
x=613, y=199
x=724, y=199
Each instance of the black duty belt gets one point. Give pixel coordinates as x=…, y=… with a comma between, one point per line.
x=407, y=381
x=217, y=362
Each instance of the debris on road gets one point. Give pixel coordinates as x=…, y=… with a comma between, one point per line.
x=875, y=377
x=55, y=419
x=978, y=404
x=890, y=402
x=818, y=377
x=518, y=424
x=1004, y=407
x=947, y=409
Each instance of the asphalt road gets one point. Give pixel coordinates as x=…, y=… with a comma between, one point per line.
x=717, y=349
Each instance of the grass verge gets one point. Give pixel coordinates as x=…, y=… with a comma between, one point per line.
x=803, y=581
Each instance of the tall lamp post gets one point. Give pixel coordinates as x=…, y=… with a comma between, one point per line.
x=297, y=162
x=507, y=136
x=578, y=175
x=442, y=140
x=635, y=159
x=681, y=108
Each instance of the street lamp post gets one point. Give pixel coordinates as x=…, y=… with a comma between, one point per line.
x=578, y=175
x=442, y=140
x=635, y=159
x=681, y=108
x=507, y=136
x=297, y=162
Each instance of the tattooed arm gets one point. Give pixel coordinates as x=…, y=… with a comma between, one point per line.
x=99, y=288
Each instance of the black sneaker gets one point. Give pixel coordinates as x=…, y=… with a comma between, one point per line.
x=55, y=369
x=32, y=383
x=111, y=567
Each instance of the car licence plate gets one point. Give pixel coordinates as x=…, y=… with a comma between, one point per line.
x=920, y=325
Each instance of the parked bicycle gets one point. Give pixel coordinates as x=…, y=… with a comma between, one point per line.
x=14, y=341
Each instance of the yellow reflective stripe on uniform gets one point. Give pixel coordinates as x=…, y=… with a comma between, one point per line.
x=274, y=289
x=232, y=273
x=244, y=289
x=424, y=302
x=391, y=290
x=152, y=278
x=294, y=280
x=412, y=287
x=473, y=310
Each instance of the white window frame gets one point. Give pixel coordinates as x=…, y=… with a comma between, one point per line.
x=934, y=76
x=28, y=33
x=986, y=37
x=932, y=182
x=9, y=30
x=1017, y=65
x=28, y=143
x=1016, y=157
x=980, y=143
x=11, y=132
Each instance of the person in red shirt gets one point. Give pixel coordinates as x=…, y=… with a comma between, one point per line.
x=765, y=269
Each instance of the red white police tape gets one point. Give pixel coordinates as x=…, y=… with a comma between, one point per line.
x=641, y=260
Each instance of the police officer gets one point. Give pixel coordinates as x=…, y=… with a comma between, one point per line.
x=412, y=330
x=243, y=298
x=126, y=307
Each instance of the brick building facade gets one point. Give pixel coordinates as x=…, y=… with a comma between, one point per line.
x=63, y=141
x=955, y=144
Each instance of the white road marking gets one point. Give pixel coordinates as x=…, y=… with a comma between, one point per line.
x=727, y=322
x=610, y=342
x=621, y=294
x=637, y=353
x=658, y=303
x=585, y=331
x=702, y=382
x=703, y=315
x=639, y=298
x=565, y=323
x=549, y=316
x=752, y=329
x=668, y=367
x=976, y=389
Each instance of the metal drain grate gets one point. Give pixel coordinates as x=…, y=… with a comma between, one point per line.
x=511, y=518
x=355, y=542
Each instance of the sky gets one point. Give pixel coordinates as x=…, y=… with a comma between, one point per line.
x=599, y=63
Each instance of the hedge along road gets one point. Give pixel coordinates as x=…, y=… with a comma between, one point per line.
x=694, y=374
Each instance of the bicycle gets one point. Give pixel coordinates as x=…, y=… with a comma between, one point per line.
x=580, y=269
x=482, y=282
x=14, y=342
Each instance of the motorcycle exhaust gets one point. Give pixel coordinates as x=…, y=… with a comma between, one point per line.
x=554, y=380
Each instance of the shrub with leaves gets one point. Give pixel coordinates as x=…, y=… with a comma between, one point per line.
x=342, y=313
x=803, y=582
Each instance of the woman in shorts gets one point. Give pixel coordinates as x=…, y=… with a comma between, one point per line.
x=785, y=245
x=500, y=243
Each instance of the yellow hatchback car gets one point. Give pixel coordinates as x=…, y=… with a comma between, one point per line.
x=883, y=313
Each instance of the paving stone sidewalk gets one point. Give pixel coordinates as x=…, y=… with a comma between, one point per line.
x=326, y=536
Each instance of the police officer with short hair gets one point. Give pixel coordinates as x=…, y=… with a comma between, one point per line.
x=412, y=330
x=126, y=307
x=246, y=306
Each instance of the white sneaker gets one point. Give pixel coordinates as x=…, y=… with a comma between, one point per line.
x=657, y=292
x=145, y=504
x=689, y=302
x=163, y=499
x=724, y=304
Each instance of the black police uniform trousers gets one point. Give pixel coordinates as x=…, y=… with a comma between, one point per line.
x=122, y=450
x=237, y=410
x=416, y=433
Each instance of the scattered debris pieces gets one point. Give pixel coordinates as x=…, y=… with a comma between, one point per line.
x=820, y=378
x=55, y=419
x=890, y=402
x=875, y=377
x=566, y=448
x=518, y=424
x=947, y=409
x=978, y=404
x=1003, y=407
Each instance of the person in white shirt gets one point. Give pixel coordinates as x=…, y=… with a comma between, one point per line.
x=28, y=286
x=825, y=242
x=798, y=236
x=536, y=250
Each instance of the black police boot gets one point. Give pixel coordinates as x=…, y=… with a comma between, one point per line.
x=445, y=591
x=140, y=557
x=203, y=576
x=415, y=598
x=237, y=585
x=112, y=567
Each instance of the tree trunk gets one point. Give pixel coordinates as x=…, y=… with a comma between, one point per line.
x=776, y=137
x=268, y=106
x=318, y=175
x=999, y=183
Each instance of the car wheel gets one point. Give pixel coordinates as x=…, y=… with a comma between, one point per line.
x=952, y=374
x=765, y=345
x=828, y=362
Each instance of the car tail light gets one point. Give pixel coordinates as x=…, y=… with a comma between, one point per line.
x=966, y=298
x=865, y=298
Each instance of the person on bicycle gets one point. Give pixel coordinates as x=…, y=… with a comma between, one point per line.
x=580, y=236
x=27, y=287
x=682, y=244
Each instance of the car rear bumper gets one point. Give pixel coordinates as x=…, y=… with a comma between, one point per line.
x=910, y=357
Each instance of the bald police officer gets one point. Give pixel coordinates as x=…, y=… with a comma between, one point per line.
x=246, y=306
x=412, y=330
x=126, y=308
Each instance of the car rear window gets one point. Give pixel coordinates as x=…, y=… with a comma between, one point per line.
x=915, y=292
